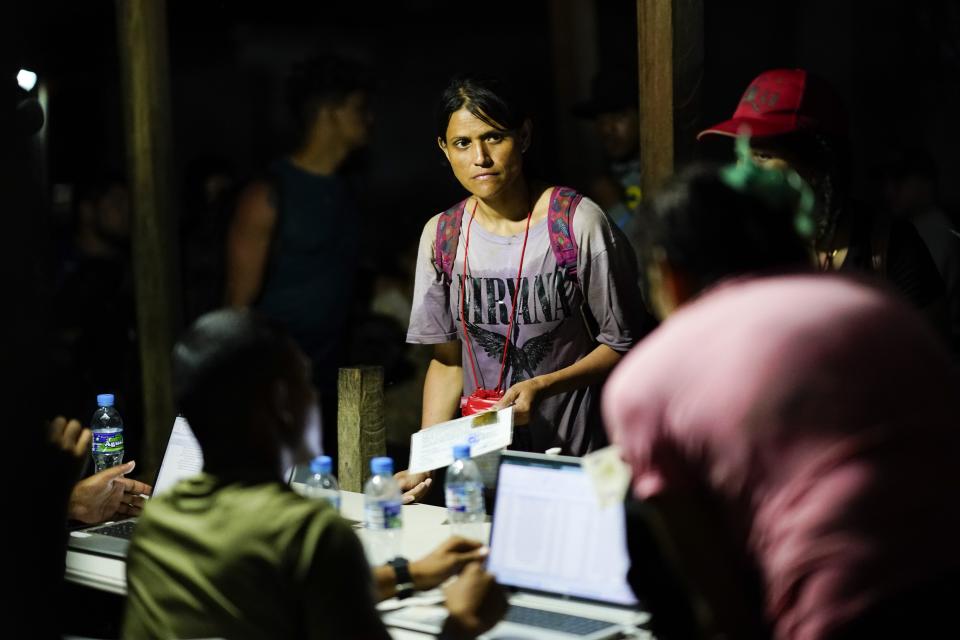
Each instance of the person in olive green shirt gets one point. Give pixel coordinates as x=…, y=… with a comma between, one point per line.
x=233, y=552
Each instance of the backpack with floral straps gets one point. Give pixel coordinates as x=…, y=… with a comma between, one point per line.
x=563, y=204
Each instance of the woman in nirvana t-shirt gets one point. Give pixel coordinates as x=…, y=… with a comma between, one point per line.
x=568, y=324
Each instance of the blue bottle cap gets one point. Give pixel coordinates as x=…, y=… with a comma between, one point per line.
x=321, y=464
x=461, y=451
x=381, y=466
x=105, y=400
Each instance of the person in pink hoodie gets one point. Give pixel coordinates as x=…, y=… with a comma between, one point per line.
x=797, y=435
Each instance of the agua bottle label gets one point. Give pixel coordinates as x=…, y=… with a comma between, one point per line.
x=108, y=442
x=464, y=498
x=383, y=515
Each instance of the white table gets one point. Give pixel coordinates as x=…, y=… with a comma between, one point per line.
x=423, y=531
x=424, y=526
x=96, y=572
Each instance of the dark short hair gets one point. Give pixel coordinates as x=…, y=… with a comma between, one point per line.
x=490, y=99
x=222, y=365
x=713, y=231
x=322, y=80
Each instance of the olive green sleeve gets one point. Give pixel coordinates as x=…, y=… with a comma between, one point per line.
x=341, y=602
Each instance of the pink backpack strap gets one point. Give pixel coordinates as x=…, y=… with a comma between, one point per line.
x=563, y=204
x=448, y=237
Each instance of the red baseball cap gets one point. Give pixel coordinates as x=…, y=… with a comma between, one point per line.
x=782, y=101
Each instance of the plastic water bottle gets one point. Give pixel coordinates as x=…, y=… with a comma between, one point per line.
x=464, y=493
x=322, y=485
x=382, y=513
x=107, y=428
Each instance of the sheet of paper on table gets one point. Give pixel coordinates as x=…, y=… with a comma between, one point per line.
x=432, y=448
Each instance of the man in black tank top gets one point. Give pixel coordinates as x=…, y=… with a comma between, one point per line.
x=293, y=245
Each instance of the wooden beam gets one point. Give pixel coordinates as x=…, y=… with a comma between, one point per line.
x=142, y=46
x=360, y=431
x=655, y=48
x=670, y=50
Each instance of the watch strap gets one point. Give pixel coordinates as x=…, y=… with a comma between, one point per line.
x=401, y=567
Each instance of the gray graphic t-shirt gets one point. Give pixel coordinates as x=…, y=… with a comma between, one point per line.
x=550, y=332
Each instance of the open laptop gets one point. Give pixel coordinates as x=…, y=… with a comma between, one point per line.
x=564, y=558
x=181, y=458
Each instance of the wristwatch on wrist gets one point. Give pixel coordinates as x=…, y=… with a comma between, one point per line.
x=404, y=581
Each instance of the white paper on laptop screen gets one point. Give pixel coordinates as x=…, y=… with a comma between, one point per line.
x=182, y=458
x=550, y=534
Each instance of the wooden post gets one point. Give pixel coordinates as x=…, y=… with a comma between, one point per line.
x=360, y=430
x=142, y=45
x=670, y=48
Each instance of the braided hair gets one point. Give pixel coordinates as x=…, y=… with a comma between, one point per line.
x=827, y=158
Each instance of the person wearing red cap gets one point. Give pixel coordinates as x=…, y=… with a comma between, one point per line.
x=795, y=119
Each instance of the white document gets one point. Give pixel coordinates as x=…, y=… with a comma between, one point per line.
x=432, y=448
x=183, y=457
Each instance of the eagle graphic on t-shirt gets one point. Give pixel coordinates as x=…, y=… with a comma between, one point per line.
x=522, y=360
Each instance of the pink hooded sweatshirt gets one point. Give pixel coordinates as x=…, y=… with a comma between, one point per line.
x=822, y=415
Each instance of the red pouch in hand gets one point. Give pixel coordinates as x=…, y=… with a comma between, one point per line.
x=479, y=400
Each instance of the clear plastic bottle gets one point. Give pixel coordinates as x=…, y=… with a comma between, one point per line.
x=107, y=428
x=463, y=490
x=322, y=485
x=382, y=512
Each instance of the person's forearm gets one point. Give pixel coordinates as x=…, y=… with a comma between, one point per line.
x=243, y=284
x=248, y=244
x=385, y=579
x=590, y=369
x=442, y=388
x=238, y=297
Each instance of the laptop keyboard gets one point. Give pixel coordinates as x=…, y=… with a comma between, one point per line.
x=574, y=625
x=119, y=530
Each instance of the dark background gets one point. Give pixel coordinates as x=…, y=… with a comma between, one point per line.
x=895, y=63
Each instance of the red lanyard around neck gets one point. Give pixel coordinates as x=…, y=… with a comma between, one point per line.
x=513, y=309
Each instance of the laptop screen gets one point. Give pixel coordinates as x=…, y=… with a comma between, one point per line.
x=182, y=457
x=550, y=534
